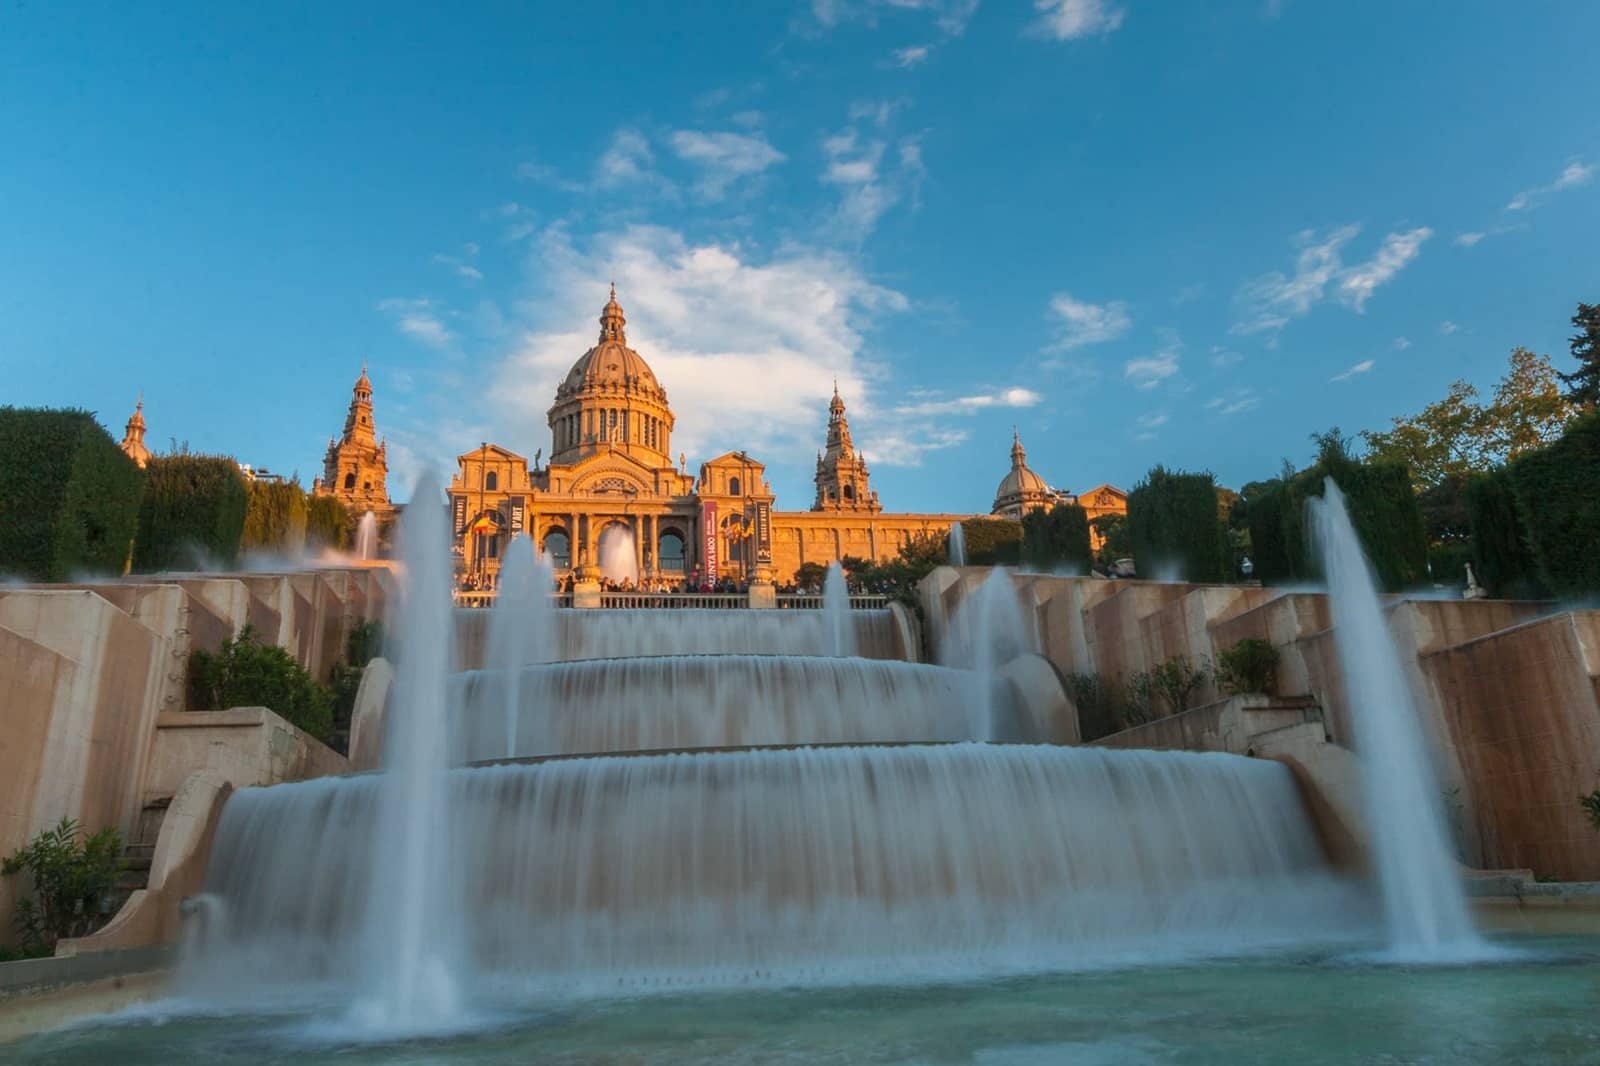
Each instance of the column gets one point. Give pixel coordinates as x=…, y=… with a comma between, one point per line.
x=572, y=540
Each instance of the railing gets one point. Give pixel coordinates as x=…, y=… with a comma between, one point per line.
x=483, y=598
x=806, y=601
x=713, y=601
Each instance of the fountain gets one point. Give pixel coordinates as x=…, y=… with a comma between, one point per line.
x=988, y=630
x=957, y=547
x=520, y=630
x=836, y=611
x=1424, y=906
x=367, y=537
x=619, y=560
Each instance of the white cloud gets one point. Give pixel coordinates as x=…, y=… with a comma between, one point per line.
x=908, y=446
x=950, y=17
x=1152, y=421
x=1357, y=284
x=1271, y=301
x=1359, y=368
x=626, y=160
x=1401, y=344
x=1225, y=357
x=418, y=319
x=746, y=347
x=854, y=165
x=1571, y=176
x=908, y=57
x=519, y=219
x=1469, y=239
x=1448, y=327
x=723, y=158
x=1235, y=402
x=878, y=112
x=459, y=263
x=1151, y=370
x=1067, y=20
x=1084, y=323
x=965, y=405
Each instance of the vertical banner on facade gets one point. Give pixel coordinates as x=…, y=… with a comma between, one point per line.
x=460, y=503
x=708, y=545
x=764, y=534
x=517, y=515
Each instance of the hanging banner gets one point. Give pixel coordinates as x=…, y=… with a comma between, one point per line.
x=764, y=534
x=460, y=523
x=708, y=545
x=517, y=515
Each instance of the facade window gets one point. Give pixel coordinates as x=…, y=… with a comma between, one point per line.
x=733, y=486
x=558, y=549
x=849, y=492
x=491, y=481
x=669, y=553
x=366, y=486
x=350, y=480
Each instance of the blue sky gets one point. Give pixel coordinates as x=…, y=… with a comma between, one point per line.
x=1142, y=232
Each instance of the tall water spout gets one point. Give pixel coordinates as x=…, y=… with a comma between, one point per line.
x=520, y=626
x=367, y=537
x=412, y=918
x=987, y=631
x=958, y=546
x=618, y=558
x=1425, y=909
x=836, y=610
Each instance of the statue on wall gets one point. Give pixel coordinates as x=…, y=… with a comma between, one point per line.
x=538, y=453
x=683, y=463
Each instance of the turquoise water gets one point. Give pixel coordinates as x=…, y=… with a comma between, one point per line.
x=1540, y=1006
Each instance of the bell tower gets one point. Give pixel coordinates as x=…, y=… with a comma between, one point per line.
x=842, y=480
x=355, y=469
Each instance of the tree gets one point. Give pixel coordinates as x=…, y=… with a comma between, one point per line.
x=1529, y=410
x=810, y=576
x=1446, y=439
x=1583, y=384
x=1112, y=529
x=1173, y=524
x=1057, y=537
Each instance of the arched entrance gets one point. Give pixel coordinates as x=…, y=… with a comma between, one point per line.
x=618, y=555
x=557, y=548
x=669, y=552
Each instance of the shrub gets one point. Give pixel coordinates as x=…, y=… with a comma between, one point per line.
x=328, y=524
x=364, y=644
x=192, y=514
x=1591, y=807
x=276, y=518
x=1096, y=704
x=992, y=541
x=1176, y=680
x=1139, y=706
x=1058, y=537
x=1250, y=666
x=69, y=497
x=246, y=673
x=1173, y=525
x=1500, y=552
x=1560, y=509
x=73, y=876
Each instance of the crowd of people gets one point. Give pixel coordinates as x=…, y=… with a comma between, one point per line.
x=657, y=585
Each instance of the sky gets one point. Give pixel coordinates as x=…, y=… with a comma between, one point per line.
x=1139, y=232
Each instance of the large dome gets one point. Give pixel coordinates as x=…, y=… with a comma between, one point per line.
x=1021, y=490
x=611, y=363
x=1020, y=483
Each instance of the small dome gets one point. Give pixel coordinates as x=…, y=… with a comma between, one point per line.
x=1021, y=482
x=610, y=363
x=1021, y=489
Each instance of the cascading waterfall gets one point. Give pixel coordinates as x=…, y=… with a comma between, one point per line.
x=778, y=866
x=1425, y=908
x=707, y=701
x=957, y=546
x=367, y=537
x=836, y=611
x=988, y=630
x=411, y=919
x=519, y=629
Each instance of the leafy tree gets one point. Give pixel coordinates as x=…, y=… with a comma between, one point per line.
x=1449, y=438
x=1583, y=384
x=276, y=519
x=328, y=523
x=810, y=575
x=72, y=878
x=1112, y=529
x=898, y=577
x=992, y=541
x=1172, y=521
x=247, y=673
x=1057, y=537
x=1528, y=410
x=193, y=512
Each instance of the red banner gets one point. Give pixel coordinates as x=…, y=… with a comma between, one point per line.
x=708, y=545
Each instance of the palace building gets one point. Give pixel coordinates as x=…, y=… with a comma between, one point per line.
x=611, y=498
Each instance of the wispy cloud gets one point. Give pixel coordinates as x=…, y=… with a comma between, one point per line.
x=950, y=17
x=1152, y=421
x=1448, y=327
x=1068, y=20
x=723, y=158
x=965, y=405
x=419, y=319
x=628, y=159
x=1149, y=371
x=1468, y=239
x=461, y=264
x=1079, y=322
x=1225, y=357
x=1234, y=402
x=1359, y=368
x=519, y=219
x=1271, y=301
x=1571, y=176
x=1400, y=344
x=906, y=58
x=854, y=165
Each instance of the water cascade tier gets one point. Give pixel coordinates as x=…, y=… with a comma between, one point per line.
x=718, y=701
x=790, y=865
x=613, y=634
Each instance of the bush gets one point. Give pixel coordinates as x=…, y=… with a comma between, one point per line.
x=1096, y=704
x=1176, y=680
x=192, y=514
x=1500, y=552
x=992, y=541
x=1173, y=525
x=1559, y=508
x=72, y=883
x=1058, y=537
x=276, y=518
x=1249, y=667
x=328, y=524
x=246, y=673
x=69, y=497
x=1591, y=807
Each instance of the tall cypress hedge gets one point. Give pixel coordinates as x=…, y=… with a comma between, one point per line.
x=1500, y=552
x=1383, y=509
x=69, y=497
x=276, y=518
x=1558, y=500
x=328, y=524
x=1269, y=551
x=992, y=541
x=1173, y=524
x=193, y=513
x=1058, y=537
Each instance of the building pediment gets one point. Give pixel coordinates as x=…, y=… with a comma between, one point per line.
x=494, y=452
x=734, y=461
x=1103, y=496
x=611, y=472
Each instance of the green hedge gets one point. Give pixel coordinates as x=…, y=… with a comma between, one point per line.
x=192, y=515
x=1058, y=537
x=992, y=541
x=1558, y=502
x=1173, y=524
x=1269, y=551
x=1500, y=552
x=328, y=524
x=1383, y=508
x=69, y=497
x=276, y=518
x=247, y=673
